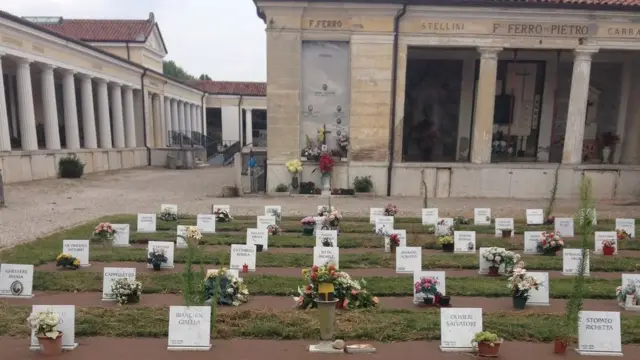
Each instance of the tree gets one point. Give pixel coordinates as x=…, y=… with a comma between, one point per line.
x=205, y=77
x=171, y=69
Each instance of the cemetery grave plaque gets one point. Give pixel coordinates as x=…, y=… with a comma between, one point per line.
x=67, y=325
x=564, y=226
x=402, y=235
x=111, y=274
x=601, y=236
x=482, y=216
x=327, y=238
x=167, y=247
x=535, y=216
x=374, y=213
x=243, y=254
x=206, y=223
x=539, y=297
x=430, y=216
x=505, y=224
x=146, y=223
x=408, y=260
x=571, y=262
x=324, y=255
x=458, y=326
x=464, y=242
x=599, y=333
x=189, y=328
x=78, y=249
x=438, y=275
x=443, y=226
x=16, y=281
x=263, y=222
x=628, y=225
x=384, y=224
x=531, y=239
x=483, y=264
x=258, y=237
x=181, y=237
x=121, y=239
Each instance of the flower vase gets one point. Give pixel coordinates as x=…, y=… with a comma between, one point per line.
x=307, y=230
x=506, y=233
x=519, y=302
x=549, y=253
x=428, y=300
x=560, y=346
x=326, y=184
x=444, y=301
x=295, y=182
x=392, y=247
x=326, y=291
x=447, y=247
x=608, y=250
x=486, y=350
x=49, y=346
x=606, y=153
x=630, y=300
x=156, y=265
x=493, y=270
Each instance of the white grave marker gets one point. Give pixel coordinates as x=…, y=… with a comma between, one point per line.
x=258, y=237
x=374, y=213
x=408, y=260
x=564, y=226
x=327, y=238
x=599, y=333
x=181, y=237
x=505, y=224
x=483, y=264
x=121, y=239
x=438, y=275
x=243, y=254
x=269, y=209
x=189, y=328
x=531, y=239
x=443, y=226
x=146, y=223
x=67, y=325
x=626, y=280
x=464, y=242
x=601, y=236
x=535, y=216
x=402, y=235
x=16, y=281
x=263, y=222
x=226, y=208
x=458, y=326
x=430, y=216
x=79, y=249
x=168, y=247
x=206, y=223
x=384, y=224
x=319, y=223
x=110, y=275
x=324, y=255
x=571, y=262
x=169, y=207
x=628, y=225
x=481, y=216
x=539, y=297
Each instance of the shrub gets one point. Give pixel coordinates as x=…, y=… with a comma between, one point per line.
x=363, y=184
x=282, y=188
x=70, y=167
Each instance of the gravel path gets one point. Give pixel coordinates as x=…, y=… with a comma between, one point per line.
x=37, y=208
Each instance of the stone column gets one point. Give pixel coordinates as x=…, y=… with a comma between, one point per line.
x=187, y=119
x=576, y=115
x=167, y=119
x=116, y=113
x=181, y=127
x=25, y=106
x=194, y=119
x=49, y=108
x=158, y=133
x=5, y=137
x=484, y=106
x=129, y=118
x=248, y=139
x=88, y=114
x=175, y=127
x=71, y=133
x=104, y=122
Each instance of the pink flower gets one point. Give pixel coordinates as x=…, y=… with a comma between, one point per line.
x=345, y=303
x=354, y=292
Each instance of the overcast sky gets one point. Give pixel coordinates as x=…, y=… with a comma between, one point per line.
x=222, y=38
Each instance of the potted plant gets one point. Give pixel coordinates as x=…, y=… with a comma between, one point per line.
x=428, y=286
x=627, y=295
x=45, y=325
x=331, y=216
x=446, y=241
x=607, y=141
x=608, y=247
x=442, y=300
x=294, y=167
x=273, y=230
x=126, y=291
x=496, y=257
x=67, y=261
x=622, y=235
x=506, y=233
x=233, y=291
x=167, y=214
x=308, y=225
x=550, y=243
x=488, y=344
x=461, y=220
x=156, y=258
x=520, y=284
x=390, y=210
x=351, y=294
x=394, y=242
x=550, y=220
x=222, y=215
x=105, y=232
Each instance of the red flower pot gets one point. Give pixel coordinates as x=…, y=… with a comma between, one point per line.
x=559, y=346
x=486, y=350
x=608, y=250
x=493, y=271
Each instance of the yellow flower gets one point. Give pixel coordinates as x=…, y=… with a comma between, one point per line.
x=76, y=262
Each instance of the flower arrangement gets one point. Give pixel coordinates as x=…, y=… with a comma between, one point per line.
x=126, y=291
x=222, y=215
x=390, y=210
x=343, y=143
x=394, y=240
x=550, y=243
x=67, y=261
x=351, y=294
x=193, y=233
x=622, y=292
x=325, y=164
x=273, y=230
x=325, y=210
x=276, y=214
x=427, y=285
x=497, y=256
x=622, y=234
x=233, y=291
x=331, y=216
x=45, y=324
x=308, y=221
x=104, y=231
x=156, y=258
x=294, y=166
x=461, y=220
x=550, y=220
x=520, y=283
x=167, y=214
x=445, y=240
x=608, y=243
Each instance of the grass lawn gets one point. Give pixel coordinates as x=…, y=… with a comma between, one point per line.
x=160, y=283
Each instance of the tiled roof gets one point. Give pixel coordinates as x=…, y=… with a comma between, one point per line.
x=603, y=4
x=103, y=30
x=231, y=87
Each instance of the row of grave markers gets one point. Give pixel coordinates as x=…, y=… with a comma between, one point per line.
x=599, y=332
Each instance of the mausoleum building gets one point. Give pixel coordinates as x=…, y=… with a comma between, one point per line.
x=477, y=98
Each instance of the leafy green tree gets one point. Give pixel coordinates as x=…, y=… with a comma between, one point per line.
x=205, y=77
x=171, y=69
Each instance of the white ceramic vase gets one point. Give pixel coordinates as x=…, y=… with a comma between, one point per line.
x=606, y=153
x=630, y=300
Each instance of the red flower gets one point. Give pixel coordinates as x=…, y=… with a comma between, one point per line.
x=314, y=268
x=332, y=268
x=325, y=163
x=314, y=276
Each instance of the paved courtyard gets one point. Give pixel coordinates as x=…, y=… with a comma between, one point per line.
x=41, y=207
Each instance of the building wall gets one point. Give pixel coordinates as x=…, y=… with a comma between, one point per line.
x=230, y=123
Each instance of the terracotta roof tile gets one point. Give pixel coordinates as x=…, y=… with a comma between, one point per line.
x=231, y=87
x=103, y=30
x=566, y=3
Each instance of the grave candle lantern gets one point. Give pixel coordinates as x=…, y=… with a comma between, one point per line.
x=245, y=268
